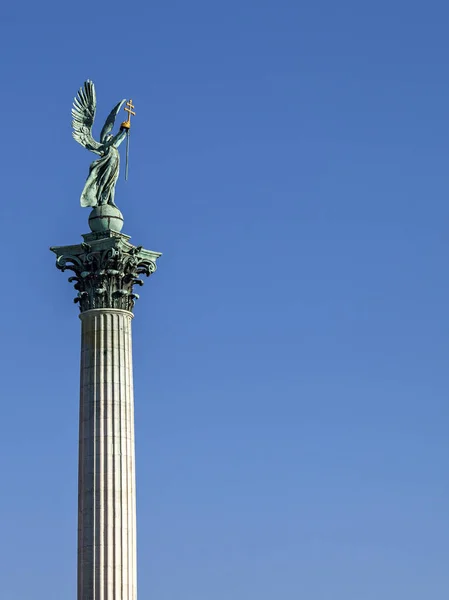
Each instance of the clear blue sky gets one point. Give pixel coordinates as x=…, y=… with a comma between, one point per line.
x=291, y=161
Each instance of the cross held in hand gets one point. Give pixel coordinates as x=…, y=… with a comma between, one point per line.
x=129, y=109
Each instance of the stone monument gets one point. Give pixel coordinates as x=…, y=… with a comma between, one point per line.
x=106, y=269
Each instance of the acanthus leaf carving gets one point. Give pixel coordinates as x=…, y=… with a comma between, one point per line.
x=105, y=277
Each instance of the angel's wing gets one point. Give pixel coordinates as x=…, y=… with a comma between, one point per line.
x=83, y=115
x=109, y=123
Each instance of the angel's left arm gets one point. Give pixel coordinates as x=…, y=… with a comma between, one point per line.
x=118, y=139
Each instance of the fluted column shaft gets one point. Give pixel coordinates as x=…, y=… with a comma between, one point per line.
x=107, y=501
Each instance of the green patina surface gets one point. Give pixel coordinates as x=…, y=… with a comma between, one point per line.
x=103, y=173
x=106, y=267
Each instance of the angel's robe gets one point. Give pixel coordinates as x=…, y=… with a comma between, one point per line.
x=99, y=188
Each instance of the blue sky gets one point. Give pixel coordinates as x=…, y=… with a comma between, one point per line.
x=291, y=161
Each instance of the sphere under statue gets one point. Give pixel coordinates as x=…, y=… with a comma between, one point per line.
x=104, y=218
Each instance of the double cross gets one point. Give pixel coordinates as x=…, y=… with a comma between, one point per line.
x=129, y=109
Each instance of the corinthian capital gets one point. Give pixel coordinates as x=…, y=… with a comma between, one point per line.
x=105, y=267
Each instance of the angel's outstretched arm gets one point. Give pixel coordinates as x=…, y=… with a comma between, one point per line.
x=118, y=139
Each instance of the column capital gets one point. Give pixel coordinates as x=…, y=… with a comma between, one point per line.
x=106, y=268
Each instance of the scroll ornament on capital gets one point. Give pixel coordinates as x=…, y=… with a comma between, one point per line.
x=105, y=278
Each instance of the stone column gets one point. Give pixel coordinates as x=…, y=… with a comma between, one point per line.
x=107, y=502
x=106, y=268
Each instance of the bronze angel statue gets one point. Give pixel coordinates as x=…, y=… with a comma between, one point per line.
x=103, y=173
